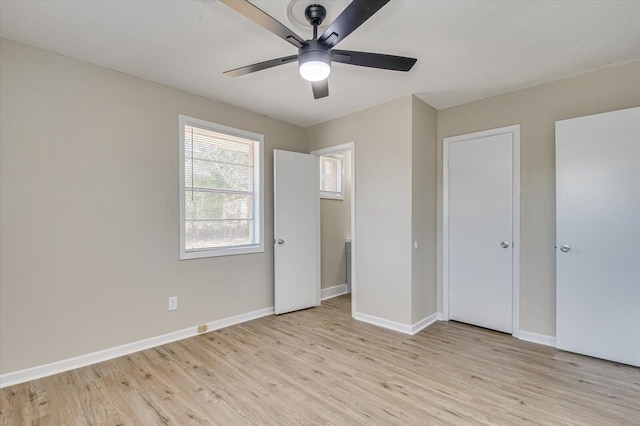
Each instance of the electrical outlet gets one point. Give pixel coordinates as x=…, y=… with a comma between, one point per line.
x=173, y=303
x=202, y=328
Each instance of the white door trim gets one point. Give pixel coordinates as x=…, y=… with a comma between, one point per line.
x=351, y=147
x=446, y=143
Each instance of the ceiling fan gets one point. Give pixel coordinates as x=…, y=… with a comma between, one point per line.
x=315, y=55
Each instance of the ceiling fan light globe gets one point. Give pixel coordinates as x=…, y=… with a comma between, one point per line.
x=314, y=70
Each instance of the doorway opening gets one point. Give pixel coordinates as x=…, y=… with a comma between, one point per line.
x=336, y=167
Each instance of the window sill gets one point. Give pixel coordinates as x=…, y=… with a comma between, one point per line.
x=199, y=254
x=338, y=197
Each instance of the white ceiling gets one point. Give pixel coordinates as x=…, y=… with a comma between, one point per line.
x=466, y=50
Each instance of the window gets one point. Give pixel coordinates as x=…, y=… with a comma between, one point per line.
x=331, y=177
x=221, y=199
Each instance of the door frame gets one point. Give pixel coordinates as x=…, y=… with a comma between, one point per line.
x=514, y=130
x=351, y=147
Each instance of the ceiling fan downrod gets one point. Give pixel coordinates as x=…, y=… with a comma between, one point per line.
x=315, y=14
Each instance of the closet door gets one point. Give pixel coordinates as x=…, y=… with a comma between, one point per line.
x=479, y=196
x=598, y=235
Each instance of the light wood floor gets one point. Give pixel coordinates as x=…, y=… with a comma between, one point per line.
x=321, y=367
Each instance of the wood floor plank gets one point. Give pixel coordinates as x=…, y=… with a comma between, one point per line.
x=319, y=366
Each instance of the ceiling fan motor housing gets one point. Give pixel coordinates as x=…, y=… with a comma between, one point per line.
x=312, y=52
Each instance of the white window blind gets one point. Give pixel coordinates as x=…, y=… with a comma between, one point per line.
x=331, y=176
x=221, y=190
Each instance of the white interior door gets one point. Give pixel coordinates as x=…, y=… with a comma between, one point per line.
x=598, y=235
x=296, y=245
x=480, y=229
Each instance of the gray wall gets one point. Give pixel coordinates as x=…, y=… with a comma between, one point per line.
x=395, y=189
x=89, y=211
x=382, y=137
x=536, y=110
x=424, y=181
x=89, y=203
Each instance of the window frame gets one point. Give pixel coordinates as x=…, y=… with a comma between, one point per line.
x=259, y=209
x=331, y=195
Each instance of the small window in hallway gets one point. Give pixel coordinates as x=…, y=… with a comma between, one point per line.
x=331, y=177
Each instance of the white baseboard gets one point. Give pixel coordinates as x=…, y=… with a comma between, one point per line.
x=424, y=323
x=541, y=339
x=381, y=322
x=335, y=291
x=397, y=326
x=40, y=371
x=440, y=316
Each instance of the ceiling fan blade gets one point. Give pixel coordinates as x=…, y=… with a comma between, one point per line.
x=351, y=18
x=261, y=18
x=320, y=89
x=373, y=60
x=260, y=66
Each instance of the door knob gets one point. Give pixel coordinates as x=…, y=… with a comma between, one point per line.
x=280, y=241
x=565, y=248
x=504, y=244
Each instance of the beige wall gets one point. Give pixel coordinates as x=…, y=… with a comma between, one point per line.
x=536, y=110
x=335, y=226
x=89, y=211
x=382, y=137
x=89, y=203
x=423, y=209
